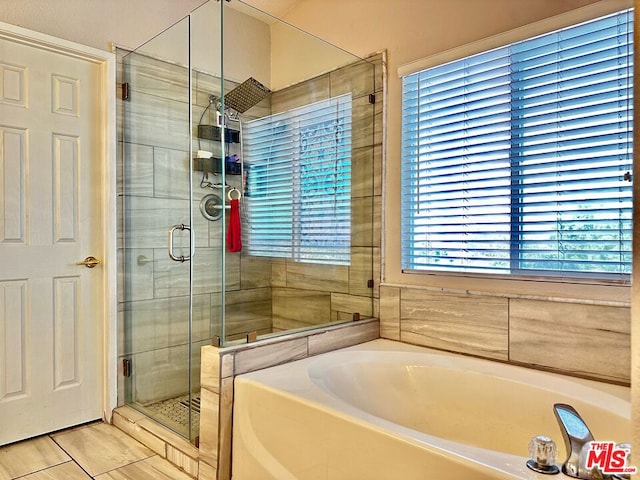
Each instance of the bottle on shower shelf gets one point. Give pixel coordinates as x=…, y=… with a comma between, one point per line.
x=233, y=164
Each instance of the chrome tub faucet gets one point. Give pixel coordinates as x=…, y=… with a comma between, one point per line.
x=577, y=439
x=576, y=436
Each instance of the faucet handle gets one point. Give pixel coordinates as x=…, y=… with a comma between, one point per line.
x=543, y=455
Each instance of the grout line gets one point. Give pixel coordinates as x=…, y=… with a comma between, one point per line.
x=70, y=456
x=153, y=454
x=128, y=464
x=43, y=469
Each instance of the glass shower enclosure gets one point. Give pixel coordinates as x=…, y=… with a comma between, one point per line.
x=247, y=196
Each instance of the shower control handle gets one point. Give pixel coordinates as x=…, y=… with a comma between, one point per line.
x=178, y=258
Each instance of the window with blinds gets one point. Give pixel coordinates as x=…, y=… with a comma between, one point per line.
x=518, y=160
x=298, y=187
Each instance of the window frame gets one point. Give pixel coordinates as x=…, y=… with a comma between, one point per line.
x=539, y=28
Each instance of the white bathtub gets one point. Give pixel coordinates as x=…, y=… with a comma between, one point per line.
x=387, y=410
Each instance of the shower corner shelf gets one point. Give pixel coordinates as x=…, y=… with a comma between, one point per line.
x=212, y=164
x=212, y=132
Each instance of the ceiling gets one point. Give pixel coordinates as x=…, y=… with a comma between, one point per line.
x=276, y=8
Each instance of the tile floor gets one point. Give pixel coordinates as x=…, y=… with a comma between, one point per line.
x=96, y=451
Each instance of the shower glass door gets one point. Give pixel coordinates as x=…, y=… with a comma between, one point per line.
x=232, y=108
x=157, y=245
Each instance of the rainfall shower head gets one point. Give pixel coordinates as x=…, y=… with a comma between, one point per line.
x=246, y=95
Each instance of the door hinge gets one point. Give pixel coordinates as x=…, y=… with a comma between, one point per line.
x=372, y=98
x=370, y=283
x=125, y=91
x=126, y=367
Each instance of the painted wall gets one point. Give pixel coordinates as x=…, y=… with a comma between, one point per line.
x=297, y=56
x=157, y=27
x=97, y=23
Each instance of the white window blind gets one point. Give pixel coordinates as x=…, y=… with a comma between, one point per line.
x=518, y=160
x=298, y=187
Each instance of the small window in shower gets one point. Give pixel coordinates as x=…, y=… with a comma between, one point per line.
x=298, y=187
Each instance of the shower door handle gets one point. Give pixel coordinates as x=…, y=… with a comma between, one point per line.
x=179, y=258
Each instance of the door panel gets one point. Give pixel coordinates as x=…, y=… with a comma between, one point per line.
x=157, y=186
x=51, y=308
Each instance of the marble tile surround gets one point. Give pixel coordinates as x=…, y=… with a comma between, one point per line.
x=506, y=329
x=328, y=293
x=589, y=340
x=250, y=281
x=164, y=443
x=586, y=340
x=449, y=321
x=221, y=365
x=156, y=152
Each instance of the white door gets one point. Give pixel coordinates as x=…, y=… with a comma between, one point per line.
x=51, y=308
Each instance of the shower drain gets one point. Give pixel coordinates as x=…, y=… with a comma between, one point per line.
x=176, y=410
x=195, y=404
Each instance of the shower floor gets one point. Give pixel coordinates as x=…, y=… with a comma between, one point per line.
x=174, y=413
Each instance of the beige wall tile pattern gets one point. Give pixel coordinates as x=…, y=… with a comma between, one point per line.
x=360, y=271
x=344, y=337
x=225, y=426
x=586, y=340
x=278, y=272
x=457, y=323
x=583, y=339
x=325, y=278
x=293, y=308
x=301, y=94
x=210, y=371
x=209, y=411
x=270, y=355
x=390, y=312
x=156, y=151
x=346, y=304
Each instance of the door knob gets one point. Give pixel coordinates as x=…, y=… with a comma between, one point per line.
x=89, y=262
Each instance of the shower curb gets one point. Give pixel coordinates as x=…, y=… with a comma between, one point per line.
x=169, y=445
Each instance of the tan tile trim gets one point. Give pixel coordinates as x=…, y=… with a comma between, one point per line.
x=161, y=440
x=216, y=433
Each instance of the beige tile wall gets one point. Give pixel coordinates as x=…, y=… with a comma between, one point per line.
x=309, y=294
x=154, y=160
x=584, y=339
x=262, y=295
